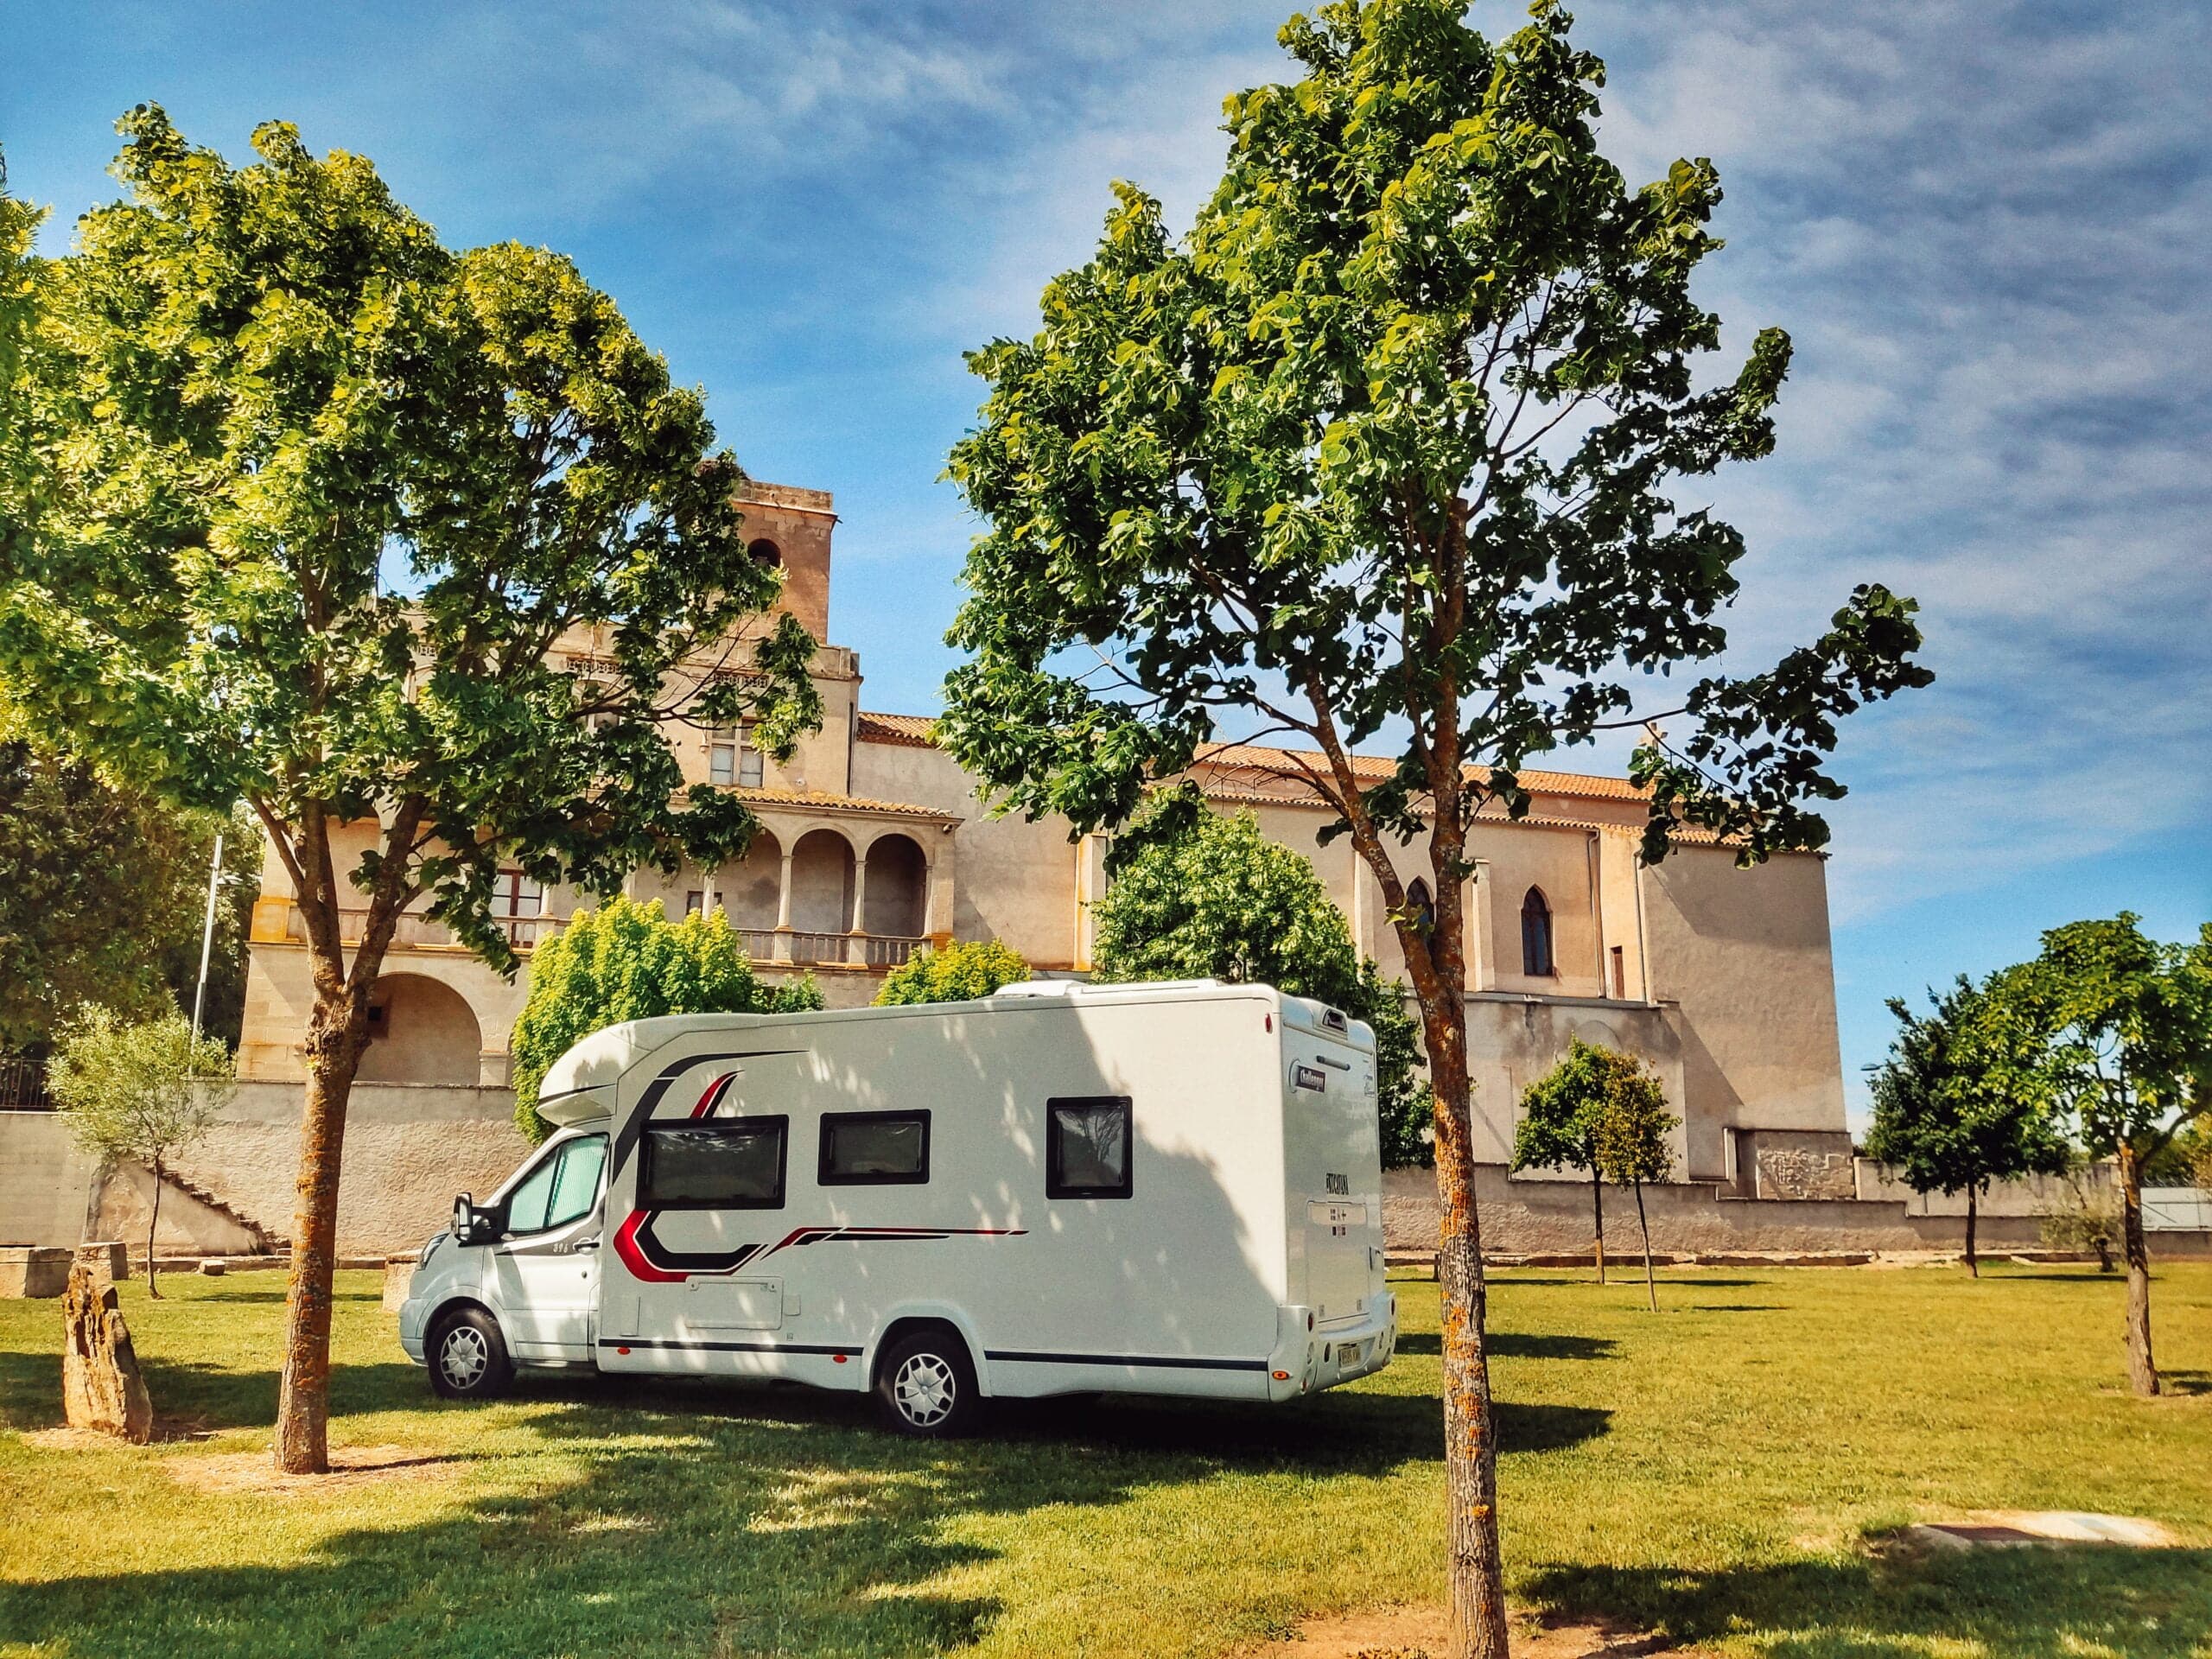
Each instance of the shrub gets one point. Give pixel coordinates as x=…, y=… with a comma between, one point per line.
x=960, y=972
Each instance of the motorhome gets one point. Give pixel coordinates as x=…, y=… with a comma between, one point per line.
x=1169, y=1189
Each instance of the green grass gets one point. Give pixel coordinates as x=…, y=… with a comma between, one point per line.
x=1725, y=1471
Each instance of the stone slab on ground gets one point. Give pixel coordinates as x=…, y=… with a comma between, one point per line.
x=2001, y=1528
x=34, y=1272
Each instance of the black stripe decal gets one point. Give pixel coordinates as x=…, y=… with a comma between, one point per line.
x=626, y=1134
x=729, y=1347
x=1165, y=1361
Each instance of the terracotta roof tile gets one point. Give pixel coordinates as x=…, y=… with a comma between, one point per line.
x=822, y=799
x=911, y=731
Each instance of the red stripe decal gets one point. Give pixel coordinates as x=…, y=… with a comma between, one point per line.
x=625, y=1246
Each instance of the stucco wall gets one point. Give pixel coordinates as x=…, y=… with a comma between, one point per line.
x=45, y=1182
x=1743, y=956
x=409, y=1149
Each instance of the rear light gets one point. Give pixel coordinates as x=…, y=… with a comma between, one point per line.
x=1282, y=1376
x=838, y=1358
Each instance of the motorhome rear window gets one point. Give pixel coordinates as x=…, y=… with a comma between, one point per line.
x=723, y=1163
x=867, y=1148
x=1087, y=1146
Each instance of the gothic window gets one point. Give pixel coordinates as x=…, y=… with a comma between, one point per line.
x=1537, y=936
x=1421, y=905
x=764, y=551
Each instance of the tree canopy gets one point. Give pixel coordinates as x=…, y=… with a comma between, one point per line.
x=2125, y=1025
x=958, y=972
x=627, y=961
x=1217, y=899
x=139, y=1089
x=1964, y=1099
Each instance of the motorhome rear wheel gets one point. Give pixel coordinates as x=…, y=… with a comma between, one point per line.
x=926, y=1385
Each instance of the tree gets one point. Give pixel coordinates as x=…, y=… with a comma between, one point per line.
x=1382, y=450
x=2088, y=1216
x=365, y=533
x=1560, y=1115
x=2128, y=1025
x=139, y=1089
x=627, y=961
x=1963, y=1100
x=959, y=972
x=102, y=887
x=1632, y=1145
x=1215, y=898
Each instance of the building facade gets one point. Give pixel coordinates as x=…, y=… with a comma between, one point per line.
x=873, y=845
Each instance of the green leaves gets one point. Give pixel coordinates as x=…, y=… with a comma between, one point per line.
x=1600, y=1110
x=333, y=519
x=1966, y=1096
x=959, y=972
x=627, y=961
x=1394, y=424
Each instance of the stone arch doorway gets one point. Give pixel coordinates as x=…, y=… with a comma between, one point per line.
x=897, y=900
x=420, y=1031
x=822, y=883
x=753, y=889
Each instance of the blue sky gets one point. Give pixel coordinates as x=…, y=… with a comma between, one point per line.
x=1988, y=225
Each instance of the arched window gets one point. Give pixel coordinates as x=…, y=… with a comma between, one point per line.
x=1422, y=906
x=764, y=551
x=1535, y=936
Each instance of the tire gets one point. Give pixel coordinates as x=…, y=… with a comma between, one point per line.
x=925, y=1386
x=468, y=1356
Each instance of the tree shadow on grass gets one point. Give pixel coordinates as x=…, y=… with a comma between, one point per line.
x=705, y=1516
x=2038, y=1602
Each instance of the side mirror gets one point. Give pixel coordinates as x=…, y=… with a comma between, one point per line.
x=471, y=1226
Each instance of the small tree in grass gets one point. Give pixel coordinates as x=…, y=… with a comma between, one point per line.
x=1633, y=1147
x=2088, y=1216
x=141, y=1090
x=1560, y=1115
x=959, y=972
x=1214, y=899
x=1964, y=1100
x=387, y=541
x=2127, y=1024
x=627, y=961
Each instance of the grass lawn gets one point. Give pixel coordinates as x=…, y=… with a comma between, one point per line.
x=1716, y=1471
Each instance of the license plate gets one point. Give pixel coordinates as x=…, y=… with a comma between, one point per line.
x=1348, y=1353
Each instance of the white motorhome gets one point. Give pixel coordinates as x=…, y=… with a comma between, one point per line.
x=1151, y=1188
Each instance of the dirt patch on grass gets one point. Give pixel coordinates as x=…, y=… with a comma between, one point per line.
x=1419, y=1633
x=351, y=1466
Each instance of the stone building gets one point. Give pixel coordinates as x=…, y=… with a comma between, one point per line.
x=874, y=844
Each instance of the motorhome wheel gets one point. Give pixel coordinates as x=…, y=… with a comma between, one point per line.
x=468, y=1356
x=926, y=1385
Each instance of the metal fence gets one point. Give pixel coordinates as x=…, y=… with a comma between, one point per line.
x=22, y=1085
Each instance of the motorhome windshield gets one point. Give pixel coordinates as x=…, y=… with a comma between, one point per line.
x=560, y=1189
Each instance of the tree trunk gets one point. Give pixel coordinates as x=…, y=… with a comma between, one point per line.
x=1476, y=1575
x=302, y=1439
x=2142, y=1371
x=1597, y=1219
x=1973, y=1266
x=1650, y=1282
x=153, y=1226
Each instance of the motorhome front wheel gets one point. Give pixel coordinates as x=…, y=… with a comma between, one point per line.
x=926, y=1385
x=468, y=1358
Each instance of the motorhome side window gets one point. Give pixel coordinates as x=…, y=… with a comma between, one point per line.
x=722, y=1163
x=873, y=1148
x=1087, y=1146
x=562, y=1188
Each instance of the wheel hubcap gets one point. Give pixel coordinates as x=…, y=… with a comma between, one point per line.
x=924, y=1388
x=464, y=1356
